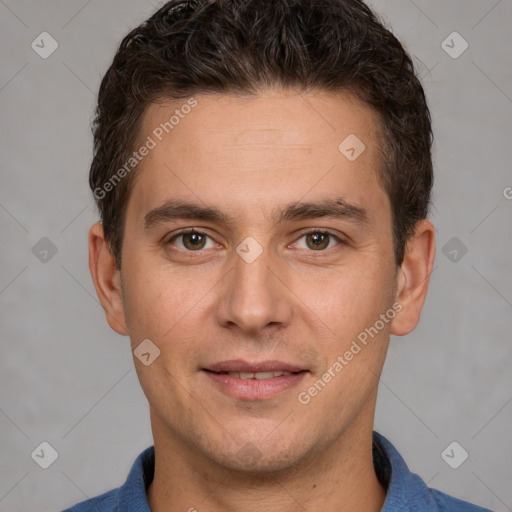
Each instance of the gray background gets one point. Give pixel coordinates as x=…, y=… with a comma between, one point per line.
x=67, y=379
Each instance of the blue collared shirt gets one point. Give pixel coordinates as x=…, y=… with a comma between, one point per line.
x=406, y=491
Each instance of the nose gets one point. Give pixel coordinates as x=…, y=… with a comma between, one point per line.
x=254, y=296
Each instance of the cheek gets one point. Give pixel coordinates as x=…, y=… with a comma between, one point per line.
x=168, y=309
x=346, y=299
x=159, y=300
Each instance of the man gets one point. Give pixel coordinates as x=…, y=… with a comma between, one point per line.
x=263, y=174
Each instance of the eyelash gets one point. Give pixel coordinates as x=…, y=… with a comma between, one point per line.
x=305, y=233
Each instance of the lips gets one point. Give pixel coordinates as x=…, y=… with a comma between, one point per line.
x=254, y=381
x=241, y=366
x=258, y=375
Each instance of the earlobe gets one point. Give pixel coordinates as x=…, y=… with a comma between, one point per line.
x=413, y=278
x=107, y=279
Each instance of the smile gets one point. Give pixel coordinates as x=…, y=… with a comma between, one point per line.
x=254, y=381
x=259, y=375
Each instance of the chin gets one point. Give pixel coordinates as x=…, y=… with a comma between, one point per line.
x=252, y=462
x=261, y=456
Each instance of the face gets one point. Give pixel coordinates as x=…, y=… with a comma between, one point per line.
x=257, y=257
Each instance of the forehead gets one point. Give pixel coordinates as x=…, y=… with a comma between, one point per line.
x=274, y=116
x=259, y=150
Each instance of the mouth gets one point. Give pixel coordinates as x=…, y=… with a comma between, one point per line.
x=257, y=375
x=254, y=381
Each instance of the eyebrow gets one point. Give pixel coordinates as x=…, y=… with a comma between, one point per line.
x=338, y=208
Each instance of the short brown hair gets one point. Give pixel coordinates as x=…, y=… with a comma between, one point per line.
x=241, y=47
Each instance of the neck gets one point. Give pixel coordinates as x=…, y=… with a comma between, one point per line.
x=340, y=478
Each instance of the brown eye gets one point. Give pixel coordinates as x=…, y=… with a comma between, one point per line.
x=193, y=241
x=317, y=240
x=190, y=240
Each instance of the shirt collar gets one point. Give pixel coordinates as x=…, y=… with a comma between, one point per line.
x=406, y=491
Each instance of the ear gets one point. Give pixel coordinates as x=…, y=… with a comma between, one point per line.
x=107, y=279
x=413, y=278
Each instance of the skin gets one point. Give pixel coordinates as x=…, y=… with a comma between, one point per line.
x=250, y=156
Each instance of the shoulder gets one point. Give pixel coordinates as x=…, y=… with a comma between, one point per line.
x=129, y=496
x=451, y=504
x=106, y=502
x=406, y=491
